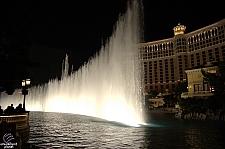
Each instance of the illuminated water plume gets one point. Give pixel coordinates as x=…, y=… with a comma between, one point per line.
x=108, y=86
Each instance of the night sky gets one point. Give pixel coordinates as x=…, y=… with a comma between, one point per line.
x=83, y=25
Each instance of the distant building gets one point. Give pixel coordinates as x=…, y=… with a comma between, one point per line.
x=165, y=61
x=156, y=102
x=197, y=87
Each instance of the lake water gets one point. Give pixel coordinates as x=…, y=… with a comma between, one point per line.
x=61, y=130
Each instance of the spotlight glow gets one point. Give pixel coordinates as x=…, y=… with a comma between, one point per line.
x=108, y=86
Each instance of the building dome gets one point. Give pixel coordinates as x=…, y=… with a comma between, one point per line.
x=179, y=29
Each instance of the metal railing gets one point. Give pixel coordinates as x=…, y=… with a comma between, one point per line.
x=196, y=93
x=21, y=120
x=202, y=92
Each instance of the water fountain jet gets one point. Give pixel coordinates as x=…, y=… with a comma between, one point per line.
x=108, y=86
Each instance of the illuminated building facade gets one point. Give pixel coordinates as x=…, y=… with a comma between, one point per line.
x=197, y=87
x=165, y=61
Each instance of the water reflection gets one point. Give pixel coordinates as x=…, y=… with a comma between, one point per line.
x=197, y=136
x=60, y=130
x=68, y=130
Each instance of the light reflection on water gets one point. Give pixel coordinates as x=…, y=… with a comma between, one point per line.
x=60, y=130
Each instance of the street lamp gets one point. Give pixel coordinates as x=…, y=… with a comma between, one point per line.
x=25, y=84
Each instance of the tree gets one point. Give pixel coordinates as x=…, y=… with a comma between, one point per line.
x=170, y=99
x=16, y=30
x=180, y=87
x=216, y=80
x=153, y=93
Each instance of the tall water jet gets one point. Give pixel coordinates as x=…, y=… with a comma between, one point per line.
x=108, y=86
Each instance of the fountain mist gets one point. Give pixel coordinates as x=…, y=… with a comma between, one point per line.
x=108, y=86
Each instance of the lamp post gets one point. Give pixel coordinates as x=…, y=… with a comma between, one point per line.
x=25, y=84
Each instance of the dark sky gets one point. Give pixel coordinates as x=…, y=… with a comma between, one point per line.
x=83, y=25
x=77, y=25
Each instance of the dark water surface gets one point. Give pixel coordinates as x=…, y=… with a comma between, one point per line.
x=61, y=130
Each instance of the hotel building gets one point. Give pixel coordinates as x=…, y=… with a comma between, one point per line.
x=197, y=87
x=165, y=61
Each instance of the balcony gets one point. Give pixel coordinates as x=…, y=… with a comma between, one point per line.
x=21, y=121
x=196, y=94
